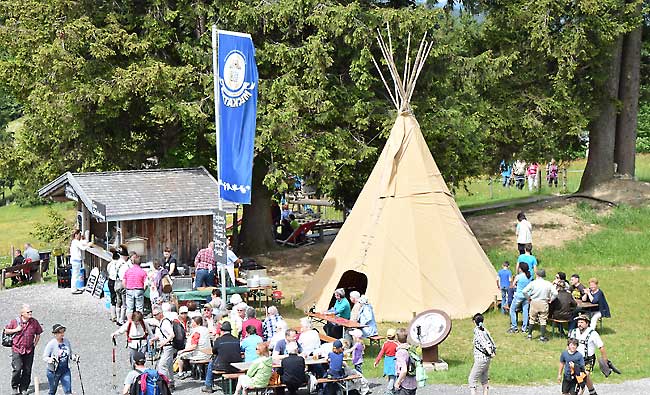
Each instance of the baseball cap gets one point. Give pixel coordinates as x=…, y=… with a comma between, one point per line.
x=390, y=333
x=337, y=344
x=138, y=356
x=183, y=309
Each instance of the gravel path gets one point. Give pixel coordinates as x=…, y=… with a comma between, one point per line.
x=89, y=332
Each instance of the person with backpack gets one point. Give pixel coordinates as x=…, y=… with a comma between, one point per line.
x=142, y=381
x=164, y=335
x=26, y=331
x=137, y=332
x=405, y=383
x=484, y=351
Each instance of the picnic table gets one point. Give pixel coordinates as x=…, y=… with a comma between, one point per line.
x=331, y=317
x=257, y=294
x=585, y=306
x=243, y=366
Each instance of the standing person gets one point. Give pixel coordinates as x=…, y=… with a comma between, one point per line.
x=404, y=384
x=123, y=265
x=519, y=300
x=529, y=258
x=505, y=171
x=231, y=261
x=503, y=283
x=519, y=170
x=540, y=293
x=112, y=270
x=169, y=262
x=341, y=309
x=204, y=264
x=137, y=332
x=76, y=256
x=551, y=173
x=139, y=360
x=532, y=176
x=58, y=354
x=484, y=351
x=156, y=280
x=524, y=232
x=134, y=279
x=293, y=369
x=388, y=350
x=27, y=332
x=357, y=349
x=164, y=335
x=572, y=364
x=596, y=296
x=588, y=341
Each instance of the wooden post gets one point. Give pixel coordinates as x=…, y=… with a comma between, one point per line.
x=539, y=179
x=564, y=180
x=491, y=192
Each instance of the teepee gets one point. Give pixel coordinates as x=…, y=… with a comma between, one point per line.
x=406, y=244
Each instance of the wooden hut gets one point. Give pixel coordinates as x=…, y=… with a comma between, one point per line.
x=146, y=209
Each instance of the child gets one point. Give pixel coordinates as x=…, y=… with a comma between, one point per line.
x=388, y=352
x=335, y=359
x=357, y=349
x=503, y=282
x=573, y=365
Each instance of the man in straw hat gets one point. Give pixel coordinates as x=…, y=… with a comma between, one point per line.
x=588, y=341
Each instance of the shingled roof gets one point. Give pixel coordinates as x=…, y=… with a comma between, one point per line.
x=142, y=194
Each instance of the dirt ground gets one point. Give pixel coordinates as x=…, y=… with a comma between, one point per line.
x=555, y=222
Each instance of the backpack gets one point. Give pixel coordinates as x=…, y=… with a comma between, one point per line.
x=150, y=382
x=179, y=335
x=415, y=368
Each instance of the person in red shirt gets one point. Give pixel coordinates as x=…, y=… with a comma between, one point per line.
x=134, y=279
x=251, y=320
x=388, y=350
x=27, y=332
x=204, y=264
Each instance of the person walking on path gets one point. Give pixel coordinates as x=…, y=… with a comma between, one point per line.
x=58, y=355
x=138, y=367
x=404, y=384
x=540, y=294
x=524, y=232
x=551, y=173
x=388, y=350
x=137, y=332
x=164, y=335
x=484, y=350
x=572, y=365
x=27, y=333
x=134, y=279
x=529, y=258
x=77, y=246
x=588, y=341
x=505, y=171
x=532, y=176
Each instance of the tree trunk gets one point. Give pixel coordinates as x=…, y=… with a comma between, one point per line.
x=602, y=131
x=626, y=125
x=256, y=234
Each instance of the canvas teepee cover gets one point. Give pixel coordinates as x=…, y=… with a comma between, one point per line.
x=408, y=237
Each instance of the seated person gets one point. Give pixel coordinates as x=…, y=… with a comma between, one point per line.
x=280, y=332
x=292, y=222
x=251, y=319
x=341, y=309
x=197, y=347
x=292, y=373
x=335, y=369
x=281, y=346
x=309, y=339
x=215, y=300
x=561, y=277
x=18, y=260
x=596, y=296
x=258, y=374
x=367, y=317
x=563, y=307
x=225, y=351
x=286, y=229
x=576, y=289
x=249, y=344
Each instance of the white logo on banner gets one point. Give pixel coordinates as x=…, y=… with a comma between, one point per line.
x=234, y=90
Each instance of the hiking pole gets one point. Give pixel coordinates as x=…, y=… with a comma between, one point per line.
x=114, y=379
x=80, y=380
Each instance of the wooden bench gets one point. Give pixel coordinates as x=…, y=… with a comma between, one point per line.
x=20, y=270
x=230, y=377
x=376, y=339
x=325, y=338
x=198, y=369
x=559, y=324
x=343, y=383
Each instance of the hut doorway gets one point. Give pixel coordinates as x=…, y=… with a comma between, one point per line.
x=351, y=281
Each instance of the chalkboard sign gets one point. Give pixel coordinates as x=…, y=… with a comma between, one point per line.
x=219, y=230
x=92, y=281
x=98, y=292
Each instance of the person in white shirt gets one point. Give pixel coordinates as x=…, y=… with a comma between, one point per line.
x=77, y=246
x=524, y=232
x=123, y=264
x=233, y=260
x=540, y=293
x=112, y=269
x=309, y=339
x=588, y=341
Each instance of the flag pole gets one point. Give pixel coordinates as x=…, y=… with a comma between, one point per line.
x=217, y=126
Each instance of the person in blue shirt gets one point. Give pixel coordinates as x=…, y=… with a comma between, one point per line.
x=528, y=258
x=572, y=364
x=341, y=309
x=503, y=283
x=249, y=344
x=523, y=278
x=505, y=171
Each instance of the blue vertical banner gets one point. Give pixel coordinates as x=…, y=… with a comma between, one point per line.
x=238, y=110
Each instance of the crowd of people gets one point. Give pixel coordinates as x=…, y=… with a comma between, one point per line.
x=518, y=173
